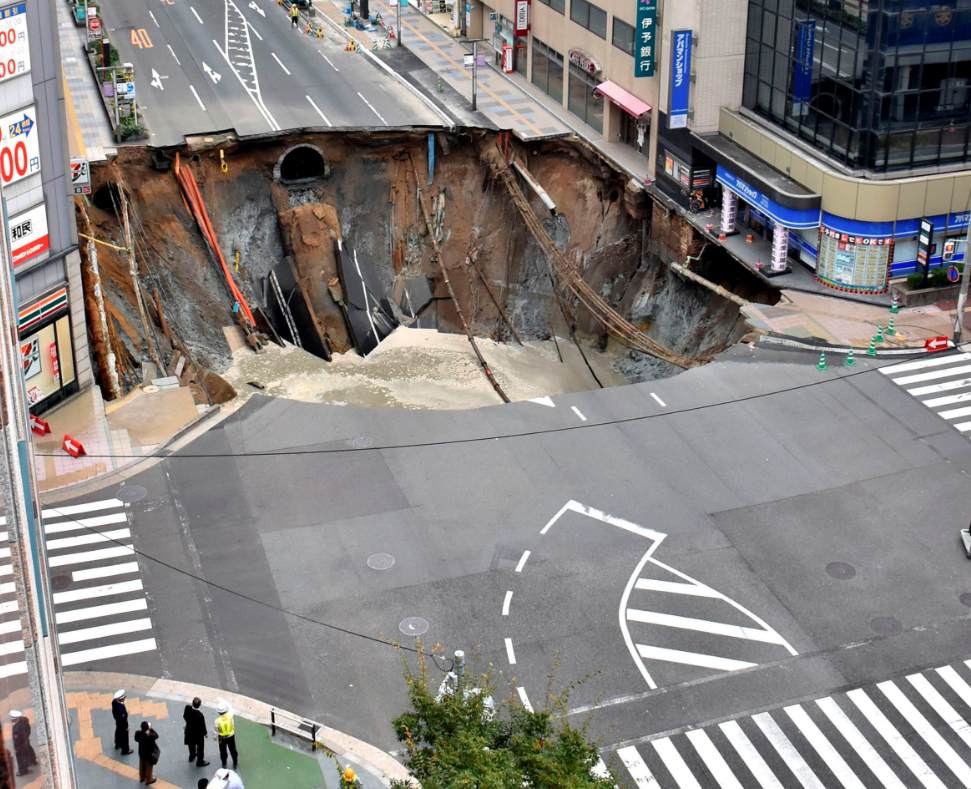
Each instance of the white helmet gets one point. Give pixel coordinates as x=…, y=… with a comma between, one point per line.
x=222, y=708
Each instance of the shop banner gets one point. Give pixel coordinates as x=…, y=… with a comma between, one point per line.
x=14, y=47
x=787, y=217
x=644, y=38
x=522, y=18
x=803, y=80
x=680, y=79
x=27, y=235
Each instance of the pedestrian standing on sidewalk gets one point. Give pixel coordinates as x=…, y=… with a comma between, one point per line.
x=148, y=753
x=26, y=758
x=225, y=729
x=120, y=713
x=294, y=14
x=195, y=732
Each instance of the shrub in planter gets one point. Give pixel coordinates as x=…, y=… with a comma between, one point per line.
x=130, y=128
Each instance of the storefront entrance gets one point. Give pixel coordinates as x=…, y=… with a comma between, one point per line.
x=46, y=350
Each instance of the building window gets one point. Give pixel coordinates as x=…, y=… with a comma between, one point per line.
x=583, y=101
x=556, y=5
x=548, y=70
x=589, y=16
x=623, y=36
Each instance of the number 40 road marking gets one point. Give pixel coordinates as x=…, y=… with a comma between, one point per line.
x=140, y=39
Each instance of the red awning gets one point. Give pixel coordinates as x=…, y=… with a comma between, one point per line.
x=626, y=101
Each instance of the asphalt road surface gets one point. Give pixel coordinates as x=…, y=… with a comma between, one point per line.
x=214, y=65
x=741, y=538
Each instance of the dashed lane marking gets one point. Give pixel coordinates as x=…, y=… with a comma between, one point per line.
x=173, y=54
x=577, y=412
x=660, y=402
x=192, y=88
x=522, y=562
x=329, y=62
x=506, y=602
x=510, y=653
x=196, y=14
x=280, y=63
x=312, y=104
x=372, y=108
x=524, y=699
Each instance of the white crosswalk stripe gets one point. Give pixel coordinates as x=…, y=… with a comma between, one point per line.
x=100, y=608
x=910, y=731
x=944, y=385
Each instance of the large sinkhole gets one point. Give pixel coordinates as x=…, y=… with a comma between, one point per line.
x=303, y=163
x=107, y=198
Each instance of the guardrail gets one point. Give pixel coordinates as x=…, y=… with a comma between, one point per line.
x=303, y=728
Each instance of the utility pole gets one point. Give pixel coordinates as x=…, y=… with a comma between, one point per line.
x=963, y=295
x=400, y=12
x=475, y=64
x=40, y=669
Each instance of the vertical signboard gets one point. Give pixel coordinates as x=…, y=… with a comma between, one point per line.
x=14, y=48
x=680, y=79
x=19, y=146
x=27, y=235
x=522, y=18
x=924, y=243
x=803, y=78
x=644, y=36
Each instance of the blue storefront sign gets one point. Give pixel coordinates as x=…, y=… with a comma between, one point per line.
x=803, y=78
x=644, y=36
x=680, y=79
x=787, y=217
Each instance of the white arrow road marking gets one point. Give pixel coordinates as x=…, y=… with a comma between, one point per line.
x=318, y=111
x=196, y=14
x=281, y=63
x=197, y=98
x=256, y=8
x=156, y=80
x=213, y=75
x=173, y=53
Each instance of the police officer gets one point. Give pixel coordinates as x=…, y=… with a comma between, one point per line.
x=225, y=729
x=120, y=713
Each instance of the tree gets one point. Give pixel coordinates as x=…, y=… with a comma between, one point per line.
x=458, y=740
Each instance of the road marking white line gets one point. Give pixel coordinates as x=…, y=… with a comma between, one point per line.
x=524, y=699
x=192, y=88
x=941, y=707
x=13, y=669
x=947, y=386
x=545, y=400
x=195, y=14
x=104, y=572
x=934, y=402
x=77, y=509
x=675, y=764
x=9, y=588
x=88, y=539
x=934, y=361
x=509, y=652
x=85, y=523
x=9, y=608
x=954, y=413
x=963, y=427
x=660, y=402
x=713, y=760
x=372, y=109
x=957, y=684
x=704, y=626
x=860, y=744
x=3, y=535
x=787, y=751
x=318, y=111
x=522, y=562
x=98, y=611
x=253, y=93
x=12, y=647
x=90, y=556
x=638, y=770
x=600, y=769
x=691, y=658
x=916, y=379
x=13, y=626
x=280, y=63
x=4, y=553
x=154, y=19
x=651, y=585
x=173, y=54
x=328, y=61
x=100, y=653
x=577, y=412
x=103, y=631
x=6, y=569
x=923, y=727
x=255, y=31
x=836, y=763
x=506, y=602
x=97, y=591
x=894, y=739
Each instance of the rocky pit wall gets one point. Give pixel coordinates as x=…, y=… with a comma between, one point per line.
x=366, y=194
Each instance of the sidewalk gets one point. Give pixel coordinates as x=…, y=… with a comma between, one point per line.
x=281, y=761
x=89, y=132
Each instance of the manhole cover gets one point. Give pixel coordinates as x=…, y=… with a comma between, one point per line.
x=59, y=582
x=360, y=443
x=130, y=493
x=380, y=561
x=414, y=626
x=966, y=599
x=840, y=570
x=885, y=626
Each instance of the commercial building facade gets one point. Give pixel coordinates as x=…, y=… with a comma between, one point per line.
x=39, y=211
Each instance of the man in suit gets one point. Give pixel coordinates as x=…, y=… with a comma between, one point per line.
x=195, y=731
x=120, y=713
x=26, y=758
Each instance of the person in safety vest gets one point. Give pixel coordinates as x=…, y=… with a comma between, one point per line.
x=225, y=730
x=294, y=15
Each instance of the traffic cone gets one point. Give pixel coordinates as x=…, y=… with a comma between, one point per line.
x=890, y=331
x=894, y=308
x=879, y=335
x=822, y=361
x=849, y=358
x=392, y=36
x=872, y=350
